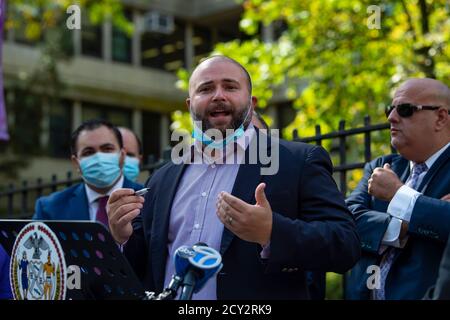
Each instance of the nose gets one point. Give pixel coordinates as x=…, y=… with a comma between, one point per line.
x=219, y=94
x=393, y=116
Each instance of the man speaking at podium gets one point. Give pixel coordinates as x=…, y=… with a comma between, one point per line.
x=268, y=228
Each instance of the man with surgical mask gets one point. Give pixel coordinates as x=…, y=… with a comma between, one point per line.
x=133, y=151
x=98, y=156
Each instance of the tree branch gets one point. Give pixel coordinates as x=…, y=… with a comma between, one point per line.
x=408, y=17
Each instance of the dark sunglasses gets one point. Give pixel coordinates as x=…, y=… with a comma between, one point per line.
x=406, y=110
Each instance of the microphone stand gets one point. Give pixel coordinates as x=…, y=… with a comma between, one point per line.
x=188, y=285
x=168, y=293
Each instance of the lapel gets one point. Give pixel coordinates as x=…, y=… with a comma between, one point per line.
x=247, y=180
x=161, y=217
x=400, y=166
x=127, y=183
x=443, y=158
x=78, y=207
x=437, y=165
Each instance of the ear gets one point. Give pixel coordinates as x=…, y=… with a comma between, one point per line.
x=188, y=103
x=443, y=119
x=75, y=163
x=122, y=157
x=254, y=102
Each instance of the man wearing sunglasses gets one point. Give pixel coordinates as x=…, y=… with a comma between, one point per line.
x=402, y=204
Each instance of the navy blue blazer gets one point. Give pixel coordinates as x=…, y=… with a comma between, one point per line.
x=312, y=228
x=69, y=204
x=416, y=266
x=441, y=291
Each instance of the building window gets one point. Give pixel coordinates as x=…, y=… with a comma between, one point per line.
x=60, y=129
x=228, y=30
x=151, y=133
x=202, y=42
x=26, y=110
x=117, y=116
x=162, y=51
x=91, y=39
x=121, y=42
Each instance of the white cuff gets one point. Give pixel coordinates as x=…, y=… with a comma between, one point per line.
x=402, y=204
x=392, y=235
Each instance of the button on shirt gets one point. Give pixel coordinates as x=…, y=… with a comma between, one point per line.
x=193, y=215
x=402, y=205
x=93, y=197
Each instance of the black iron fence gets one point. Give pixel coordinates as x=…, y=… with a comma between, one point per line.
x=342, y=136
x=17, y=201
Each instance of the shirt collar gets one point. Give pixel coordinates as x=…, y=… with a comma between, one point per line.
x=93, y=195
x=431, y=160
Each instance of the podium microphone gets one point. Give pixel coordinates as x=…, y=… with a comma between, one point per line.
x=195, y=266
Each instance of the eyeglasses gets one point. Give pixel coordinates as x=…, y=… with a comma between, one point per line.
x=406, y=110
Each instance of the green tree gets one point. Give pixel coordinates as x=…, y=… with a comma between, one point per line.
x=36, y=17
x=331, y=64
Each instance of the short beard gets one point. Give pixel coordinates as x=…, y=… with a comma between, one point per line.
x=238, y=118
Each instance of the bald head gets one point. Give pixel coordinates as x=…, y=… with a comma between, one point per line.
x=424, y=91
x=131, y=142
x=422, y=133
x=207, y=62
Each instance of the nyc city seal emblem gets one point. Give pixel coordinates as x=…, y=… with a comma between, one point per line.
x=38, y=269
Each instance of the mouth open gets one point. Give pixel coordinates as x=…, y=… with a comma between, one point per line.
x=220, y=113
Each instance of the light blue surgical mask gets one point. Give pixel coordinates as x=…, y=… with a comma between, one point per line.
x=131, y=168
x=199, y=135
x=101, y=169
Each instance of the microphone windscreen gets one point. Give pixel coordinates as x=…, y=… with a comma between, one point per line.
x=181, y=260
x=209, y=261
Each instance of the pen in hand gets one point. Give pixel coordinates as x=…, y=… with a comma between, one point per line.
x=141, y=192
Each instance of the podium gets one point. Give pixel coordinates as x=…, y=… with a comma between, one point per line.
x=95, y=267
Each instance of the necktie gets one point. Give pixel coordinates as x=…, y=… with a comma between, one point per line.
x=388, y=257
x=417, y=170
x=102, y=216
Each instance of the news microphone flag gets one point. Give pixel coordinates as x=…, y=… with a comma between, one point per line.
x=3, y=123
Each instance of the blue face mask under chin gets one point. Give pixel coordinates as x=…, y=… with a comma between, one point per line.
x=131, y=168
x=101, y=169
x=199, y=135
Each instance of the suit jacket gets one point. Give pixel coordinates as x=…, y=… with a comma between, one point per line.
x=312, y=228
x=441, y=291
x=69, y=204
x=416, y=266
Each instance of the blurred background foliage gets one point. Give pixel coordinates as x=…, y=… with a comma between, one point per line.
x=330, y=64
x=36, y=16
